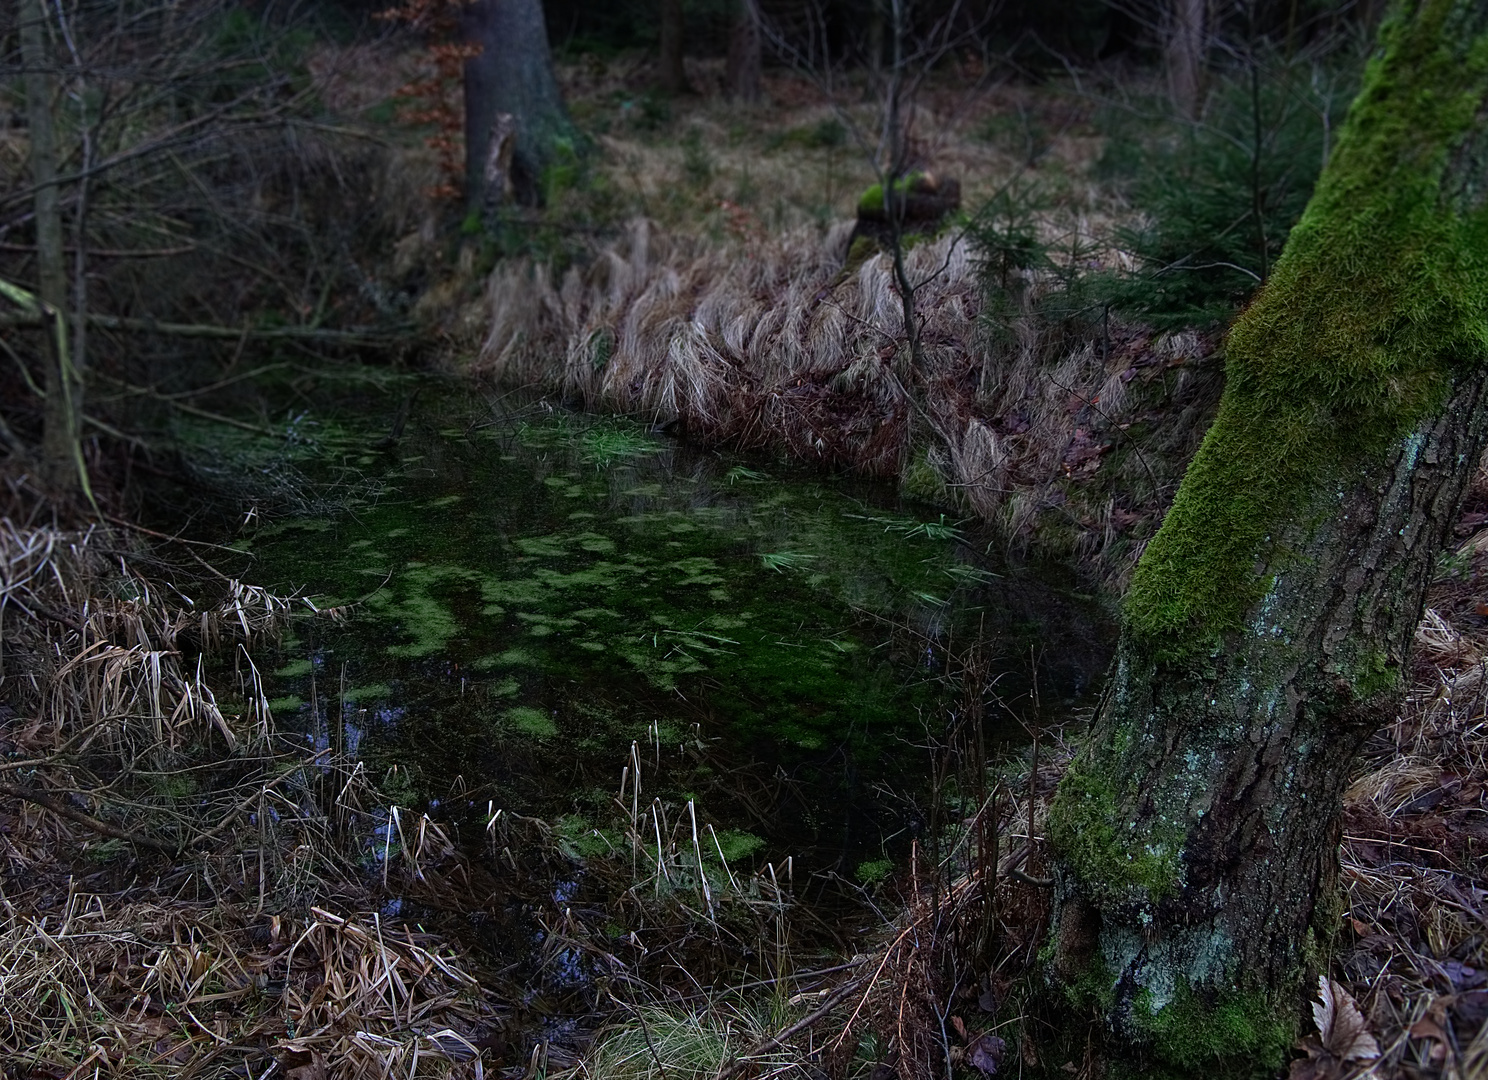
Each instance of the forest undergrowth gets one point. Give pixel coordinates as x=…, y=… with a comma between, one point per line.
x=185, y=885
x=196, y=890
x=191, y=888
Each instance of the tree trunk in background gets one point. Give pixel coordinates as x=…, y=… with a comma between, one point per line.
x=513, y=75
x=1185, y=56
x=743, y=75
x=1270, y=620
x=60, y=446
x=672, y=70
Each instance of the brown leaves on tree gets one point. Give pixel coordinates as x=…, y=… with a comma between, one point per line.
x=436, y=100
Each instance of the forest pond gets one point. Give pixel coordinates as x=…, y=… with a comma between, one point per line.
x=536, y=600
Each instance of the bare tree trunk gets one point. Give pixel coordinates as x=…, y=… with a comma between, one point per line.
x=1185, y=55
x=672, y=69
x=895, y=188
x=743, y=74
x=875, y=34
x=61, y=449
x=1270, y=620
x=512, y=75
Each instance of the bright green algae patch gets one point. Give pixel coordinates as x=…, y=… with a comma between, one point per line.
x=1381, y=293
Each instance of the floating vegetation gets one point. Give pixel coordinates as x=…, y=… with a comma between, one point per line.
x=612, y=441
x=969, y=575
x=780, y=561
x=550, y=588
x=530, y=721
x=742, y=474
x=931, y=530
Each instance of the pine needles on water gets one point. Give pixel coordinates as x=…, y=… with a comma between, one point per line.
x=781, y=561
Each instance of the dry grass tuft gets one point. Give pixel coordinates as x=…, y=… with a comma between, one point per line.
x=1414, y=947
x=146, y=989
x=171, y=861
x=771, y=344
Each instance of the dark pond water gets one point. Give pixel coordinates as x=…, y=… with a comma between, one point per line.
x=539, y=599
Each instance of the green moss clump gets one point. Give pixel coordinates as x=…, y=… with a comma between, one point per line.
x=1381, y=293
x=1094, y=988
x=1374, y=675
x=1237, y=1032
x=1231, y=1033
x=872, y=201
x=530, y=721
x=1083, y=831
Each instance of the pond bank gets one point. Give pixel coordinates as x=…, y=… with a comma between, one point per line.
x=1062, y=426
x=301, y=830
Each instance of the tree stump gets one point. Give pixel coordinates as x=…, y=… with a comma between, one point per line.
x=920, y=203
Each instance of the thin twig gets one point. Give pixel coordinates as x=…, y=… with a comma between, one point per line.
x=46, y=802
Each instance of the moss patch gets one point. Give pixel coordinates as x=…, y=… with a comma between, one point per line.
x=1230, y=1033
x=1234, y=1033
x=1381, y=293
x=872, y=200
x=1082, y=830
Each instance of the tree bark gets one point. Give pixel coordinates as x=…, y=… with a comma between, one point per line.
x=671, y=66
x=743, y=73
x=513, y=75
x=875, y=34
x=60, y=448
x=1185, y=55
x=1270, y=620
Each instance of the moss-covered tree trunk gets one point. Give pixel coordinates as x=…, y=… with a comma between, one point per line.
x=1270, y=620
x=512, y=74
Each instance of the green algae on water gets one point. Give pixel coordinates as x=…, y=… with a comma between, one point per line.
x=689, y=604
